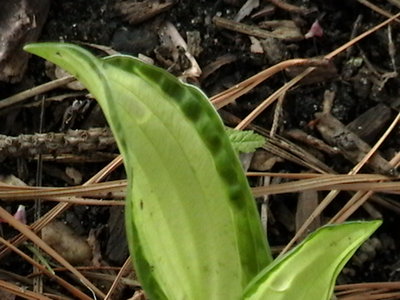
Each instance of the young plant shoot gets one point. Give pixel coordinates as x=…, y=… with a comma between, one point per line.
x=192, y=224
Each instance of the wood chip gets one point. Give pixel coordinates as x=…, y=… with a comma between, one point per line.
x=350, y=145
x=137, y=12
x=306, y=204
x=310, y=140
x=73, y=141
x=290, y=34
x=371, y=123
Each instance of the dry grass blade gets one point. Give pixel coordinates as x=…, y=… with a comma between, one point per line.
x=359, y=198
x=242, y=88
x=376, y=9
x=110, y=278
x=324, y=203
x=82, y=201
x=285, y=175
x=40, y=243
x=23, y=293
x=383, y=187
x=53, y=213
x=231, y=94
x=74, y=291
x=329, y=198
x=290, y=7
x=17, y=98
x=61, y=207
x=370, y=290
x=375, y=295
x=126, y=266
x=267, y=102
x=9, y=192
x=377, y=144
x=283, y=148
x=362, y=36
x=291, y=152
x=323, y=182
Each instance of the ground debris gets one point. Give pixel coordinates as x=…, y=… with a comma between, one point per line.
x=20, y=23
x=367, y=126
x=72, y=141
x=136, y=12
x=351, y=146
x=68, y=244
x=284, y=29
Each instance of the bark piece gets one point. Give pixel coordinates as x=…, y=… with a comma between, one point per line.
x=306, y=204
x=283, y=30
x=310, y=140
x=116, y=248
x=351, y=146
x=322, y=73
x=371, y=123
x=73, y=141
x=20, y=23
x=137, y=12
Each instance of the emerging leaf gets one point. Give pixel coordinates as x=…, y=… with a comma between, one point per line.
x=309, y=271
x=245, y=141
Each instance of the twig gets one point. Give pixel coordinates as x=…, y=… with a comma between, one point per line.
x=40, y=89
x=377, y=9
x=254, y=30
x=17, y=290
x=291, y=8
x=277, y=114
x=72, y=141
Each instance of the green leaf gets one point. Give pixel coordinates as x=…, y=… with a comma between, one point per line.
x=309, y=271
x=192, y=224
x=245, y=141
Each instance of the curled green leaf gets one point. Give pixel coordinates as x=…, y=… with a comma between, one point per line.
x=309, y=271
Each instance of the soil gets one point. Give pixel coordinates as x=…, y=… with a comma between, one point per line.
x=360, y=78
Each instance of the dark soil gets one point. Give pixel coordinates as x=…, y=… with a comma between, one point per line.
x=358, y=87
